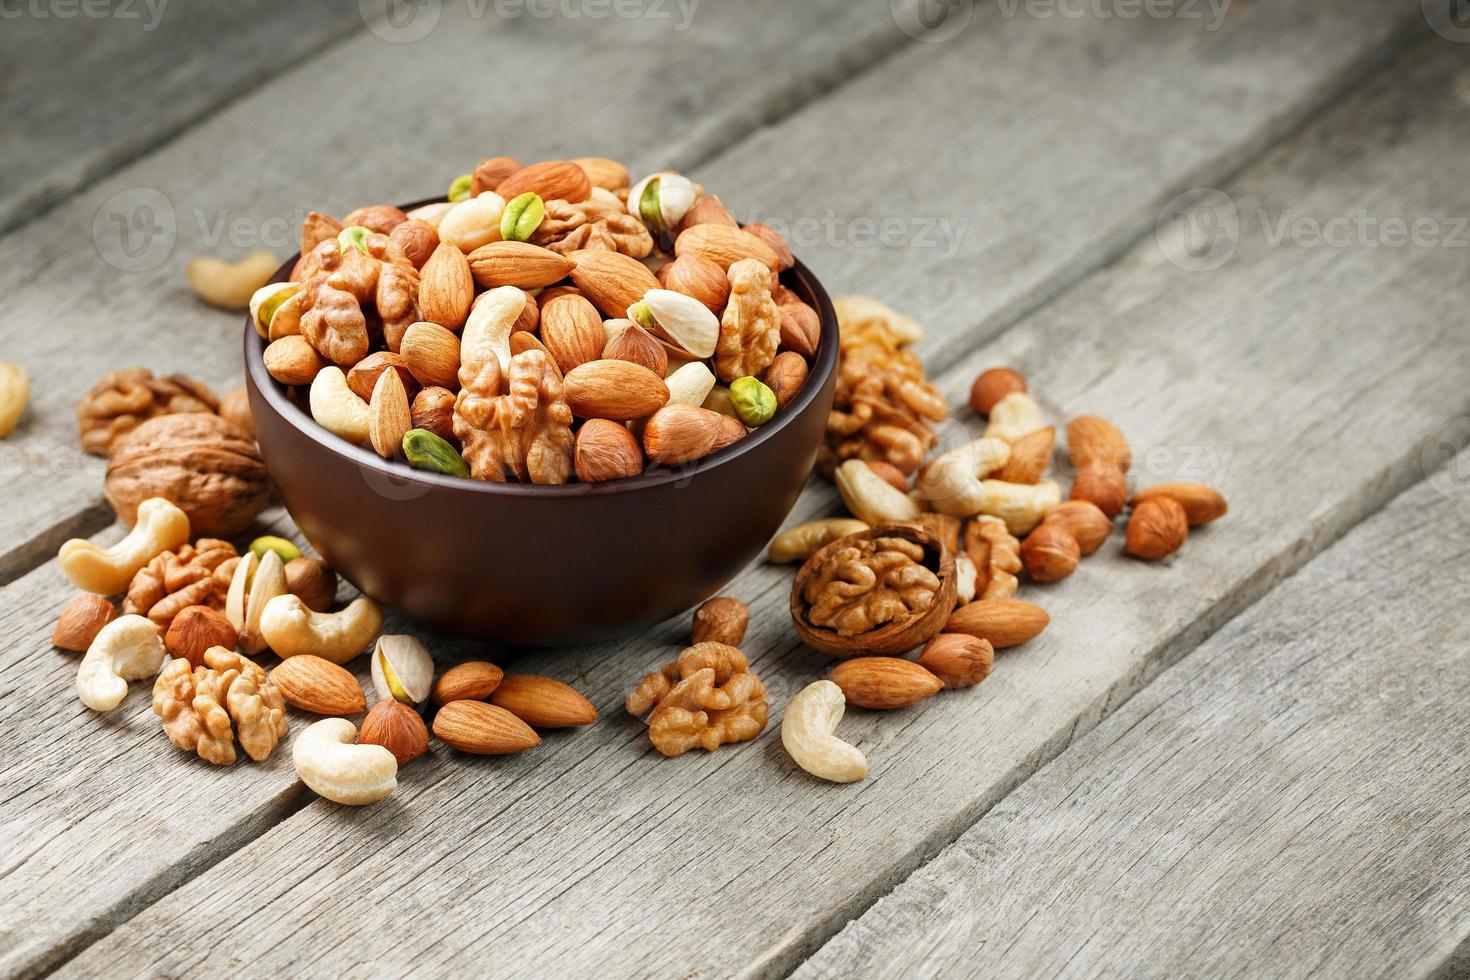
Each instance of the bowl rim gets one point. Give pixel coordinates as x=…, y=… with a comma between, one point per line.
x=824, y=364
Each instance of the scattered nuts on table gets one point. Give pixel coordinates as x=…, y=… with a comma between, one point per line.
x=1001, y=622
x=802, y=541
x=957, y=659
x=204, y=707
x=291, y=629
x=196, y=574
x=473, y=680
x=195, y=631
x=483, y=729
x=402, y=669
x=993, y=385
x=1157, y=528
x=1201, y=504
x=229, y=285
x=722, y=619
x=313, y=582
x=807, y=733
x=257, y=580
x=318, y=686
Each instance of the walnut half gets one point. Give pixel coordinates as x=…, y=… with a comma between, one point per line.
x=204, y=708
x=706, y=698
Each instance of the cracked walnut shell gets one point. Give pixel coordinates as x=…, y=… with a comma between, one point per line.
x=122, y=400
x=706, y=698
x=750, y=330
x=524, y=433
x=878, y=592
x=204, y=709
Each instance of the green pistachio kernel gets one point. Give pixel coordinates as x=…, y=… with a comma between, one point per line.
x=648, y=206
x=354, y=237
x=642, y=315
x=459, y=188
x=426, y=451
x=522, y=217
x=754, y=402
x=282, y=547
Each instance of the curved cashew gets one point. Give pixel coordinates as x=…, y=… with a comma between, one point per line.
x=160, y=526
x=291, y=629
x=488, y=329
x=806, y=731
x=229, y=285
x=690, y=384
x=804, y=540
x=256, y=582
x=15, y=391
x=1014, y=416
x=337, y=408
x=951, y=483
x=432, y=214
x=328, y=761
x=870, y=497
x=1020, y=505
x=127, y=649
x=473, y=222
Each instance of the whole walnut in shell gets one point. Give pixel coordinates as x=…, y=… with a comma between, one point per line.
x=205, y=464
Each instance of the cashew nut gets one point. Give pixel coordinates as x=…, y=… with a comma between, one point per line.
x=127, y=649
x=1020, y=505
x=966, y=576
x=335, y=768
x=431, y=214
x=804, y=540
x=15, y=392
x=160, y=526
x=291, y=629
x=337, y=408
x=1014, y=416
x=690, y=384
x=487, y=331
x=870, y=497
x=229, y=285
x=472, y=223
x=951, y=483
x=806, y=731
x=256, y=582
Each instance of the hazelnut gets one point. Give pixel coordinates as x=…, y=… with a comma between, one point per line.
x=311, y=581
x=721, y=620
x=958, y=659
x=1084, y=521
x=417, y=238
x=1104, y=485
x=396, y=727
x=1157, y=528
x=381, y=218
x=606, y=450
x=786, y=376
x=433, y=410
x=992, y=386
x=1050, y=553
x=635, y=344
x=194, y=630
x=702, y=278
x=234, y=406
x=80, y=622
x=491, y=172
x=363, y=377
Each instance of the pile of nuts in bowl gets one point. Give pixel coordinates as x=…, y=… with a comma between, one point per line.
x=545, y=322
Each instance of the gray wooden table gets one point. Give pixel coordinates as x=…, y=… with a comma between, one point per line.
x=1239, y=230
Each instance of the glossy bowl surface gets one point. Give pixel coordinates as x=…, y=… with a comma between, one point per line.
x=533, y=565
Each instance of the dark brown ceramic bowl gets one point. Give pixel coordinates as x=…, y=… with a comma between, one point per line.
x=535, y=565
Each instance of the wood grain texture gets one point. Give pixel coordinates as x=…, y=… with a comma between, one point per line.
x=993, y=215
x=98, y=283
x=88, y=87
x=592, y=854
x=1287, y=801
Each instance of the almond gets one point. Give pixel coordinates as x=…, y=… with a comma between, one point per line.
x=472, y=680
x=1003, y=622
x=446, y=287
x=483, y=729
x=633, y=343
x=1084, y=520
x=418, y=239
x=523, y=340
x=1156, y=529
x=957, y=659
x=554, y=180
x=611, y=280
x=696, y=276
x=433, y=411
x=708, y=210
x=895, y=478
x=602, y=172
x=363, y=377
x=1030, y=457
x=1201, y=504
x=1093, y=439
x=777, y=243
x=683, y=433
x=606, y=451
x=389, y=418
x=572, y=331
x=530, y=317
x=884, y=682
x=517, y=264
x=396, y=727
x=293, y=361
x=318, y=686
x=491, y=172
x=194, y=630
x=617, y=390
x=431, y=354
x=725, y=246
x=1102, y=484
x=542, y=702
x=80, y=622
x=993, y=385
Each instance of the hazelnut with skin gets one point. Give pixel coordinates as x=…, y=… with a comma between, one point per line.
x=311, y=581
x=993, y=385
x=196, y=629
x=605, y=451
x=1050, y=553
x=433, y=411
x=1157, y=528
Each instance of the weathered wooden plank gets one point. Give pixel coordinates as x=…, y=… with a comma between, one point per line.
x=88, y=87
x=1287, y=801
x=1161, y=105
x=737, y=862
x=649, y=90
